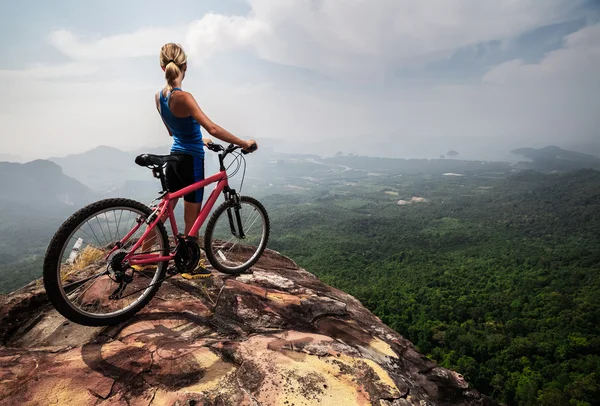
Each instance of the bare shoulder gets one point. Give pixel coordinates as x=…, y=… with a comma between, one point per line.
x=185, y=95
x=187, y=98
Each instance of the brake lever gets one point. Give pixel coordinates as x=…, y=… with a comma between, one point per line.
x=214, y=147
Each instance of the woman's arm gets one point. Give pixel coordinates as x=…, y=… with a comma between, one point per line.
x=213, y=129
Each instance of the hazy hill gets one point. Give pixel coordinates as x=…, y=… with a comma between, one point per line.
x=555, y=158
x=42, y=183
x=108, y=170
x=102, y=168
x=36, y=198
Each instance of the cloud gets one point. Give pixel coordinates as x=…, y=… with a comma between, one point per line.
x=218, y=32
x=552, y=101
x=352, y=39
x=42, y=71
x=514, y=104
x=357, y=38
x=143, y=42
x=574, y=62
x=72, y=116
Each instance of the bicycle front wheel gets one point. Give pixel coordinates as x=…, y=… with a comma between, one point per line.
x=227, y=249
x=85, y=277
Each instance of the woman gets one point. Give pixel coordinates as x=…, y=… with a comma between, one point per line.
x=183, y=117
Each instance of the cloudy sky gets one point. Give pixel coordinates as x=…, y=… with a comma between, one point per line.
x=401, y=78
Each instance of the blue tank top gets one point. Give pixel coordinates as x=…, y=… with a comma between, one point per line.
x=187, y=137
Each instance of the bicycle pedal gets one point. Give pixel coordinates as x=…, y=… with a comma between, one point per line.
x=196, y=276
x=140, y=268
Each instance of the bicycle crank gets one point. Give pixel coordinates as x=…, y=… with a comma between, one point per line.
x=187, y=255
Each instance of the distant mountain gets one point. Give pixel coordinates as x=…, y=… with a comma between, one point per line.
x=10, y=158
x=41, y=183
x=555, y=158
x=36, y=198
x=553, y=152
x=588, y=146
x=103, y=168
x=107, y=169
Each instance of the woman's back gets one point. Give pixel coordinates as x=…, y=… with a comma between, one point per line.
x=187, y=136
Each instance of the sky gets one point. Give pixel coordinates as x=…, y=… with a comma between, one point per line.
x=393, y=78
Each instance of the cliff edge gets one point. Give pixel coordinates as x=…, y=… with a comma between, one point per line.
x=276, y=336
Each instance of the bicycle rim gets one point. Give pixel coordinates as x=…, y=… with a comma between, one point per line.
x=83, y=269
x=230, y=252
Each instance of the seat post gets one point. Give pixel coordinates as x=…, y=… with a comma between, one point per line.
x=158, y=173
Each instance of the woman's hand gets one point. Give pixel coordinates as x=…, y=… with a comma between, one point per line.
x=249, y=146
x=206, y=140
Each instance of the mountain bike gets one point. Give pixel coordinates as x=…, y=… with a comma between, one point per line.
x=107, y=260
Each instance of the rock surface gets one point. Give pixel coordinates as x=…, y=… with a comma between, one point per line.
x=276, y=336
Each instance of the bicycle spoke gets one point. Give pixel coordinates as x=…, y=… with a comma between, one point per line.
x=72, y=293
x=87, y=222
x=226, y=250
x=86, y=233
x=98, y=221
x=66, y=287
x=253, y=222
x=128, y=218
x=83, y=266
x=117, y=222
x=245, y=225
x=108, y=226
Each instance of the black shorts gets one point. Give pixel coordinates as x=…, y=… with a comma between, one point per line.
x=189, y=170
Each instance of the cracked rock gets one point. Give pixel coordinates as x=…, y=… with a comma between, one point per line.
x=277, y=336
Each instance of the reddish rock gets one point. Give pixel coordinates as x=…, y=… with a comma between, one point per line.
x=275, y=336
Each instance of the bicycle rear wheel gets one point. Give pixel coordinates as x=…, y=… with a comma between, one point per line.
x=84, y=282
x=225, y=249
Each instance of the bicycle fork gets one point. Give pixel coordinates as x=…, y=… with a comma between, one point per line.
x=234, y=217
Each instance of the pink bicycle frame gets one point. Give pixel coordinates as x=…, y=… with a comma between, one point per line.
x=165, y=208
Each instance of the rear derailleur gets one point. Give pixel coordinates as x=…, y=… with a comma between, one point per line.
x=117, y=267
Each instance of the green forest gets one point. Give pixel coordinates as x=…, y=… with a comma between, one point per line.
x=500, y=283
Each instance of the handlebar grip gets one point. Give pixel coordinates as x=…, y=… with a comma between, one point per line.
x=251, y=149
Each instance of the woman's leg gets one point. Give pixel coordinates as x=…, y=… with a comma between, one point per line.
x=193, y=201
x=190, y=214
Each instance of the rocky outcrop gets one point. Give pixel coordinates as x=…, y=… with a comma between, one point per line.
x=276, y=336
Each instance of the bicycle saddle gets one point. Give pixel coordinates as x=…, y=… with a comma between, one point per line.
x=156, y=160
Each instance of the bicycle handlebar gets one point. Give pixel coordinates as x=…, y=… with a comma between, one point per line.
x=232, y=147
x=252, y=149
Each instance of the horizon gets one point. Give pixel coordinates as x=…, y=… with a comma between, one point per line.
x=515, y=157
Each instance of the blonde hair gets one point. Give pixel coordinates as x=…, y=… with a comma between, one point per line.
x=172, y=59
